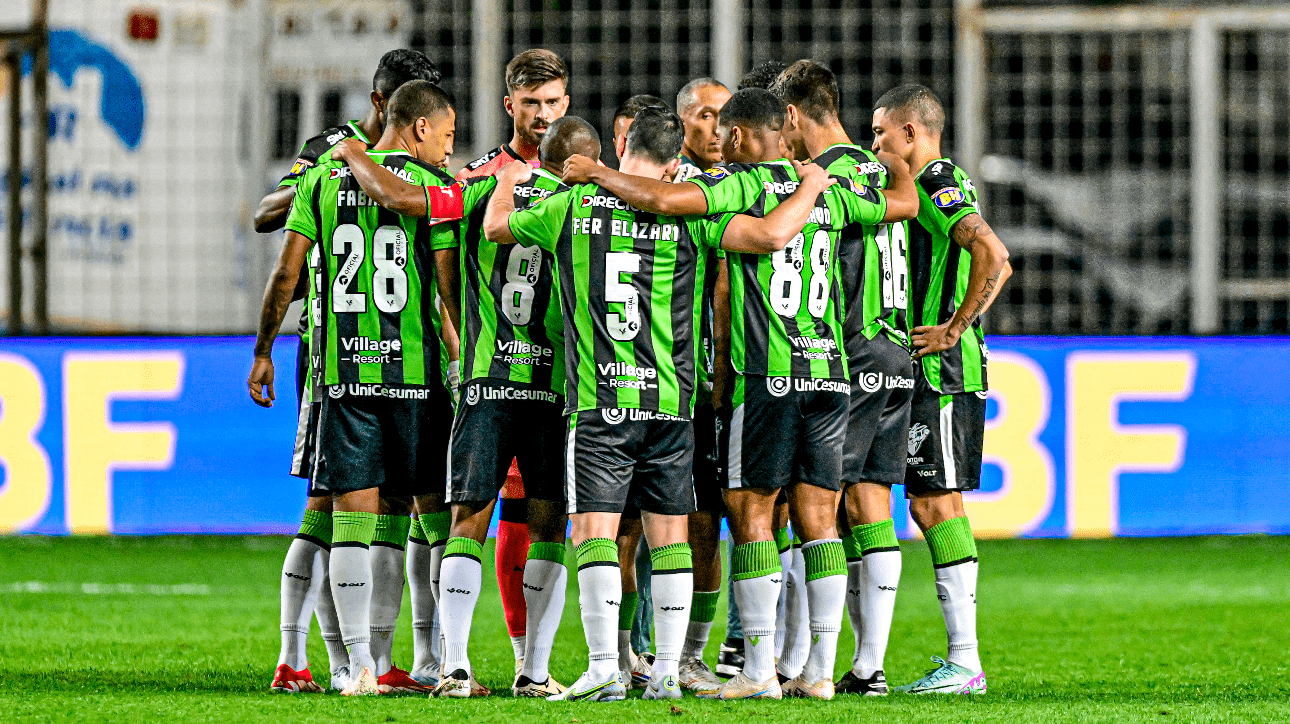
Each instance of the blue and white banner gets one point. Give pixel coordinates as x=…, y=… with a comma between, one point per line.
x=1086, y=437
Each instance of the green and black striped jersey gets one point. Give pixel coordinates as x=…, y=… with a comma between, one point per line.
x=513, y=329
x=786, y=308
x=628, y=290
x=707, y=344
x=872, y=259
x=374, y=317
x=939, y=275
x=313, y=150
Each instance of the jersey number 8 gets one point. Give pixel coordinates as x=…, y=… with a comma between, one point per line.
x=786, y=277
x=389, y=281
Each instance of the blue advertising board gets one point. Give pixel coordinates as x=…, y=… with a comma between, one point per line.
x=1086, y=437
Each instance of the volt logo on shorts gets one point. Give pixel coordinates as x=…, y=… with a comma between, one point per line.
x=874, y=381
x=805, y=385
x=918, y=432
x=778, y=386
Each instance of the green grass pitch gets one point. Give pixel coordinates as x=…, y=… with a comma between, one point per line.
x=1157, y=630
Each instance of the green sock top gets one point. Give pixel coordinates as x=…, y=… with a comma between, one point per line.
x=873, y=537
x=436, y=526
x=703, y=606
x=392, y=530
x=315, y=526
x=850, y=548
x=350, y=528
x=547, y=551
x=756, y=559
x=783, y=541
x=416, y=533
x=674, y=558
x=951, y=542
x=627, y=611
x=797, y=542
x=465, y=547
x=824, y=558
x=597, y=552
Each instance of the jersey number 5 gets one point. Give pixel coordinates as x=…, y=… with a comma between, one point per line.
x=623, y=325
x=389, y=281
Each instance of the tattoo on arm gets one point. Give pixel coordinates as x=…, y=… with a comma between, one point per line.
x=968, y=230
x=982, y=299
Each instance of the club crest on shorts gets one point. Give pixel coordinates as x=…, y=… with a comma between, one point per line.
x=336, y=391
x=870, y=381
x=472, y=394
x=778, y=386
x=613, y=415
x=918, y=432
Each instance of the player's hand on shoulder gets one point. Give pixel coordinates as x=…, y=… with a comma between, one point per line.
x=578, y=169
x=515, y=172
x=260, y=381
x=930, y=340
x=346, y=149
x=813, y=176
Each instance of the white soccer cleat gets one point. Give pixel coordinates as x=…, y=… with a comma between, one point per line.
x=526, y=687
x=454, y=686
x=666, y=688
x=587, y=689
x=742, y=687
x=802, y=689
x=697, y=677
x=340, y=677
x=946, y=678
x=363, y=685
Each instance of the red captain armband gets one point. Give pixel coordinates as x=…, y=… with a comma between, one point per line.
x=444, y=203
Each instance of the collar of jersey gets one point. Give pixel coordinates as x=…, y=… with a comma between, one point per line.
x=539, y=171
x=358, y=132
x=390, y=152
x=929, y=163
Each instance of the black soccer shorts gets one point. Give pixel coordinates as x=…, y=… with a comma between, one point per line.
x=370, y=436
x=497, y=422
x=882, y=388
x=616, y=455
x=707, y=472
x=946, y=433
x=784, y=430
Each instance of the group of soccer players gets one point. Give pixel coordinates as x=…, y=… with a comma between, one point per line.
x=752, y=318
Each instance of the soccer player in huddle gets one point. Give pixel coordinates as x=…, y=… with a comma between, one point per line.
x=874, y=272
x=957, y=269
x=374, y=336
x=304, y=586
x=790, y=382
x=628, y=282
x=537, y=95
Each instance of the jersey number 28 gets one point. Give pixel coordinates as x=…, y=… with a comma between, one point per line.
x=389, y=281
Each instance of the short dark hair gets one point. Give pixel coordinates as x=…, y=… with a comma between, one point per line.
x=685, y=97
x=811, y=87
x=753, y=108
x=567, y=136
x=762, y=75
x=656, y=133
x=535, y=67
x=914, y=100
x=416, y=99
x=400, y=66
x=637, y=103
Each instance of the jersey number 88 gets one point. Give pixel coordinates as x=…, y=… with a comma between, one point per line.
x=786, y=277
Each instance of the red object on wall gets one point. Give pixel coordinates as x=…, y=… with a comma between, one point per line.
x=144, y=24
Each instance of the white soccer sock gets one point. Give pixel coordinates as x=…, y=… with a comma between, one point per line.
x=460, y=578
x=956, y=588
x=696, y=639
x=781, y=603
x=826, y=596
x=387, y=599
x=797, y=633
x=881, y=577
x=436, y=564
x=671, y=590
x=518, y=645
x=351, y=589
x=757, y=608
x=545, y=583
x=329, y=622
x=424, y=635
x=303, y=576
x=855, y=605
x=600, y=594
x=624, y=649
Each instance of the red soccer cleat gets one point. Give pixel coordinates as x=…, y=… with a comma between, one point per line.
x=287, y=680
x=398, y=681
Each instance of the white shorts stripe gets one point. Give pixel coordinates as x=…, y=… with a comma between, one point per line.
x=947, y=445
x=735, y=452
x=302, y=435
x=569, y=487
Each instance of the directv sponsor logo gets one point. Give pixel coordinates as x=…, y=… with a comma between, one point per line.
x=869, y=167
x=355, y=389
x=874, y=381
x=615, y=415
x=505, y=392
x=525, y=192
x=780, y=188
x=809, y=385
x=607, y=202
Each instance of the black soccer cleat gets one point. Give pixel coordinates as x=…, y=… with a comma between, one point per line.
x=875, y=685
x=730, y=658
